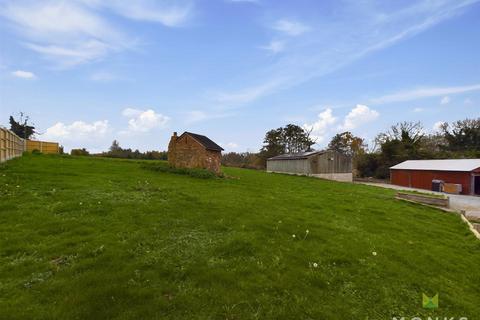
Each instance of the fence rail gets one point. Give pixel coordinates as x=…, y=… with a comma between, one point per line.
x=42, y=146
x=11, y=145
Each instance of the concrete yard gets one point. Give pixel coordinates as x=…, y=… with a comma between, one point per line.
x=457, y=201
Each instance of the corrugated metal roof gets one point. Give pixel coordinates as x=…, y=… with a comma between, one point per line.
x=439, y=165
x=293, y=156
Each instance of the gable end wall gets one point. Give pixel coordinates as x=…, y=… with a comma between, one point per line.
x=186, y=152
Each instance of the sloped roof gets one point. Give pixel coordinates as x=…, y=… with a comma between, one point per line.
x=439, y=165
x=294, y=156
x=204, y=141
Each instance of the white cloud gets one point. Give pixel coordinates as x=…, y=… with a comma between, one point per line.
x=64, y=32
x=418, y=110
x=319, y=128
x=445, y=100
x=195, y=116
x=198, y=116
x=230, y=146
x=423, y=93
x=144, y=120
x=102, y=76
x=358, y=116
x=275, y=46
x=291, y=28
x=70, y=33
x=131, y=112
x=437, y=125
x=170, y=14
x=316, y=55
x=56, y=18
x=248, y=94
x=23, y=74
x=247, y=1
x=74, y=54
x=76, y=131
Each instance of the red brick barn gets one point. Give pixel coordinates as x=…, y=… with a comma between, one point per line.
x=191, y=150
x=420, y=173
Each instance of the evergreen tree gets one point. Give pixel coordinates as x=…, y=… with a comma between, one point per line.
x=21, y=127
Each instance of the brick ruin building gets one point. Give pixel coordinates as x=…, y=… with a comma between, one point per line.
x=190, y=150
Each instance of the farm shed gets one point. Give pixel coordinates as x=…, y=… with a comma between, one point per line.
x=421, y=173
x=191, y=150
x=327, y=164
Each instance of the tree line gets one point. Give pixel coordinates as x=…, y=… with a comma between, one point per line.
x=409, y=141
x=403, y=141
x=25, y=129
x=116, y=151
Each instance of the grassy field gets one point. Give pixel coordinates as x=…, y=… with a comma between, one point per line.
x=87, y=238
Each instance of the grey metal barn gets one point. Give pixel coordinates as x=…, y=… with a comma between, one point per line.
x=327, y=164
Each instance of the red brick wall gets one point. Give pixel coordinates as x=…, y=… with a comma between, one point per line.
x=422, y=179
x=186, y=152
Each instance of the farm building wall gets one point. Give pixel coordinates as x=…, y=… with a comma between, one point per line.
x=331, y=162
x=296, y=166
x=345, y=177
x=422, y=179
x=327, y=165
x=186, y=152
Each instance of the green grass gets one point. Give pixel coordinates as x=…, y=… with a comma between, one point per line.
x=89, y=238
x=161, y=166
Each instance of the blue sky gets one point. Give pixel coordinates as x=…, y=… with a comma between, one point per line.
x=90, y=71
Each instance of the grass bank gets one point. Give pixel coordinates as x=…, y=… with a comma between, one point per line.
x=89, y=238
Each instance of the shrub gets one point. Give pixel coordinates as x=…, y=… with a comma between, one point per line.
x=367, y=164
x=79, y=152
x=192, y=172
x=243, y=160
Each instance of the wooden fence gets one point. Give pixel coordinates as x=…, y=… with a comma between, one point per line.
x=11, y=145
x=42, y=146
